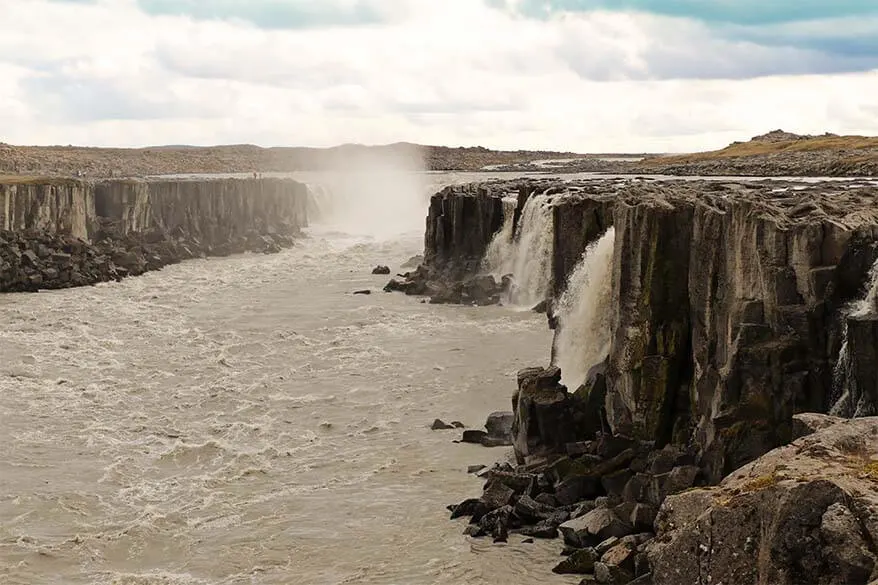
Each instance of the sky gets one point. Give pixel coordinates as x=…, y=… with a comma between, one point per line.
x=571, y=75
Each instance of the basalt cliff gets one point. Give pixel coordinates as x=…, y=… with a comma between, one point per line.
x=727, y=316
x=58, y=233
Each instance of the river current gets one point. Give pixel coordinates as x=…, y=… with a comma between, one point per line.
x=247, y=420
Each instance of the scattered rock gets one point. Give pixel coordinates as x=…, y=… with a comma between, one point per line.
x=439, y=425
x=365, y=291
x=474, y=468
x=381, y=270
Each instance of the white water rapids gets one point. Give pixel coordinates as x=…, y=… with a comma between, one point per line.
x=246, y=420
x=585, y=313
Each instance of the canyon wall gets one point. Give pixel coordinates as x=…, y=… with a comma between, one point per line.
x=58, y=233
x=727, y=297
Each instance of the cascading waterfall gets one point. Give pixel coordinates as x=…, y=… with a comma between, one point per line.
x=531, y=259
x=499, y=255
x=584, y=313
x=850, y=402
x=318, y=200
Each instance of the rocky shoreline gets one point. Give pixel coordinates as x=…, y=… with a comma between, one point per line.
x=65, y=233
x=730, y=305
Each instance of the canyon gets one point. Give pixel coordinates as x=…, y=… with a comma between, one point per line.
x=732, y=310
x=58, y=233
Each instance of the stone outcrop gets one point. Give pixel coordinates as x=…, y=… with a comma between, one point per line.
x=63, y=233
x=803, y=513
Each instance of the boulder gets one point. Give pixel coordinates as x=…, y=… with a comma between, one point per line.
x=499, y=425
x=803, y=513
x=808, y=423
x=381, y=270
x=439, y=425
x=594, y=527
x=473, y=436
x=545, y=414
x=497, y=495
x=543, y=529
x=581, y=562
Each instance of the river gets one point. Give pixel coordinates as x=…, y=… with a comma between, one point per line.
x=247, y=420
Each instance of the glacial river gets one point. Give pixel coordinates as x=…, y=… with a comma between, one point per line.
x=247, y=420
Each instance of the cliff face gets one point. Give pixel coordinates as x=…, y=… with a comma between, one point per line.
x=460, y=224
x=64, y=206
x=215, y=211
x=728, y=313
x=58, y=234
x=727, y=298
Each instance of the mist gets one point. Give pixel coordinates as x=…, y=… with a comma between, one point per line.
x=375, y=194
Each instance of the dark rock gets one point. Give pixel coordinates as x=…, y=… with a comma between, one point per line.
x=543, y=529
x=439, y=425
x=527, y=541
x=473, y=436
x=580, y=562
x=594, y=527
x=576, y=489
x=474, y=468
x=643, y=516
x=541, y=307
x=496, y=522
x=529, y=510
x=499, y=425
x=497, y=495
x=457, y=424
x=615, y=482
x=471, y=507
x=381, y=270
x=580, y=448
x=365, y=291
x=547, y=499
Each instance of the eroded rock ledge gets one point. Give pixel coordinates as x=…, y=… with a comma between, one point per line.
x=728, y=311
x=59, y=233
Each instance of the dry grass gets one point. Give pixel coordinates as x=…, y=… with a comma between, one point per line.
x=761, y=148
x=36, y=180
x=761, y=482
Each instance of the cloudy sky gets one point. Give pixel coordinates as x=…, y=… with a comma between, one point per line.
x=581, y=75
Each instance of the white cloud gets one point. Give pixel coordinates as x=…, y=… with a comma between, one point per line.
x=450, y=73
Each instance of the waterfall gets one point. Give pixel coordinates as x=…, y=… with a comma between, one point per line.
x=849, y=402
x=584, y=313
x=531, y=259
x=499, y=255
x=318, y=202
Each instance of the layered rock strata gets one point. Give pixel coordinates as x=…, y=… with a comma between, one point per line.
x=63, y=233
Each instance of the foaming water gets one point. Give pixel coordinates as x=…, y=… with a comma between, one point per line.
x=500, y=255
x=247, y=420
x=850, y=401
x=529, y=258
x=585, y=313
